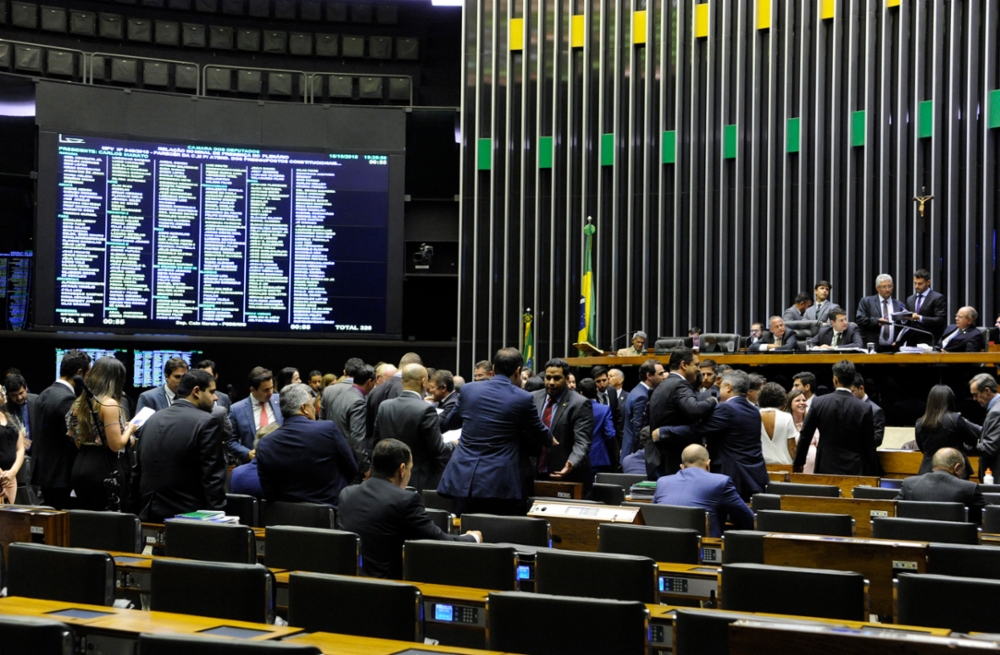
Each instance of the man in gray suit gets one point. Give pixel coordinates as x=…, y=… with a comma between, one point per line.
x=414, y=421
x=944, y=484
x=820, y=309
x=349, y=411
x=984, y=391
x=331, y=392
x=570, y=418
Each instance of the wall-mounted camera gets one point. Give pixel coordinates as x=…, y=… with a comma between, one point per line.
x=423, y=257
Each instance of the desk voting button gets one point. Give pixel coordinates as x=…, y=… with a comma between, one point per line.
x=453, y=614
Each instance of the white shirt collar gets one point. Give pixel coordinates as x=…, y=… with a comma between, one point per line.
x=67, y=384
x=170, y=394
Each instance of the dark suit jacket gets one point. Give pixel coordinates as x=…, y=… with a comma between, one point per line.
x=385, y=516
x=500, y=427
x=155, y=398
x=349, y=413
x=943, y=487
x=245, y=429
x=868, y=314
x=878, y=421
x=617, y=406
x=52, y=452
x=182, y=462
x=933, y=312
x=673, y=402
x=447, y=406
x=732, y=433
x=391, y=388
x=851, y=337
x=635, y=418
x=970, y=341
x=573, y=427
x=847, y=436
x=414, y=421
x=954, y=432
x=788, y=342
x=695, y=487
x=305, y=461
x=223, y=400
x=988, y=447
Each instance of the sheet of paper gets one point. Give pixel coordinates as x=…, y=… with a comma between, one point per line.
x=142, y=416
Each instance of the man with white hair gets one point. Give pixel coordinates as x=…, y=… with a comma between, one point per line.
x=638, y=347
x=874, y=315
x=963, y=336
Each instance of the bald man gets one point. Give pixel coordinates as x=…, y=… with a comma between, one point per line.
x=414, y=421
x=944, y=484
x=695, y=486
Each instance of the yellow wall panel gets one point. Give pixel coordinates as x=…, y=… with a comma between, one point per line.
x=578, y=30
x=763, y=14
x=891, y=3
x=517, y=34
x=639, y=27
x=827, y=9
x=701, y=21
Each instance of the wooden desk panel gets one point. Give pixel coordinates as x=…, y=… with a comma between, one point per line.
x=861, y=509
x=845, y=482
x=22, y=523
x=753, y=637
x=873, y=558
x=334, y=644
x=20, y=606
x=905, y=463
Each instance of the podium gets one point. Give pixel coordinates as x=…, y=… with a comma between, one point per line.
x=574, y=525
x=33, y=525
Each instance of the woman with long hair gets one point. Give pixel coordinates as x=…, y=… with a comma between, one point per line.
x=942, y=427
x=795, y=404
x=778, y=434
x=11, y=451
x=101, y=473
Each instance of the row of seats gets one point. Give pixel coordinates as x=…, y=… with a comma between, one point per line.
x=306, y=10
x=217, y=37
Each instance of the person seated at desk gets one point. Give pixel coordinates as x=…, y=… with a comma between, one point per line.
x=638, y=347
x=778, y=338
x=797, y=312
x=963, y=336
x=304, y=460
x=838, y=333
x=944, y=484
x=695, y=486
x=384, y=514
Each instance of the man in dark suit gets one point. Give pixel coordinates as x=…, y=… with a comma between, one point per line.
x=984, y=391
x=963, y=336
x=651, y=374
x=163, y=396
x=221, y=399
x=608, y=396
x=797, y=312
x=570, y=418
x=847, y=445
x=732, y=433
x=414, y=421
x=838, y=333
x=777, y=338
x=349, y=413
x=20, y=403
x=53, y=453
x=385, y=515
x=441, y=388
x=695, y=486
x=305, y=460
x=945, y=484
x=256, y=411
x=874, y=315
x=674, y=402
x=330, y=394
x=182, y=463
x=878, y=414
x=500, y=429
x=388, y=389
x=928, y=307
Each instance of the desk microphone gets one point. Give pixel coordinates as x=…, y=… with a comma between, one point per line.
x=619, y=337
x=919, y=331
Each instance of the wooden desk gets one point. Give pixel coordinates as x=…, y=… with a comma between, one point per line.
x=861, y=509
x=876, y=559
x=661, y=624
x=24, y=523
x=845, y=482
x=747, y=359
x=905, y=463
x=687, y=581
x=333, y=644
x=117, y=630
x=751, y=637
x=133, y=570
x=152, y=535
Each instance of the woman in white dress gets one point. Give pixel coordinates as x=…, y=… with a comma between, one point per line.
x=796, y=406
x=778, y=434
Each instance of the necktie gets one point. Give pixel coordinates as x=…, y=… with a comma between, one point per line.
x=920, y=302
x=263, y=415
x=604, y=398
x=836, y=339
x=547, y=414
x=886, y=336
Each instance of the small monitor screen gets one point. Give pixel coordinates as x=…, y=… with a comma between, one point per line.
x=523, y=572
x=147, y=369
x=231, y=631
x=444, y=613
x=75, y=613
x=95, y=354
x=15, y=288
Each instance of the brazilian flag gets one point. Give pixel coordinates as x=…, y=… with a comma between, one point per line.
x=588, y=311
x=529, y=342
